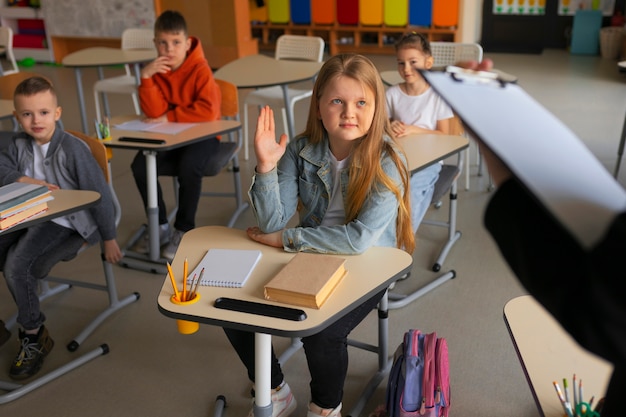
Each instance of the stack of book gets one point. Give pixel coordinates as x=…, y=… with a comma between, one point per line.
x=20, y=201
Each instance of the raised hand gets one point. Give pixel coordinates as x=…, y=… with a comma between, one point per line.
x=268, y=151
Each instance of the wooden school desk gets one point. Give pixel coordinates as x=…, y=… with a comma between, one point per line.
x=548, y=353
x=199, y=131
x=423, y=151
x=101, y=57
x=368, y=274
x=258, y=71
x=65, y=201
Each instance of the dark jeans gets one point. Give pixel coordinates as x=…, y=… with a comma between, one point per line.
x=187, y=163
x=326, y=354
x=27, y=256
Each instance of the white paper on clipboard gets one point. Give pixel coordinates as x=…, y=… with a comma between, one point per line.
x=543, y=153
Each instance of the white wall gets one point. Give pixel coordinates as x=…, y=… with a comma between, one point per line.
x=96, y=18
x=471, y=23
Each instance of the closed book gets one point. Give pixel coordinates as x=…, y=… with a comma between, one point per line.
x=225, y=267
x=307, y=280
x=26, y=204
x=20, y=216
x=18, y=192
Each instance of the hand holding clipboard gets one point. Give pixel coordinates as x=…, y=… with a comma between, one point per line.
x=537, y=148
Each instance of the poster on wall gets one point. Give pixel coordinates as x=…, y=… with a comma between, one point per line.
x=569, y=7
x=520, y=7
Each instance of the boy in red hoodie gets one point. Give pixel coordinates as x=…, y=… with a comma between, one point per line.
x=178, y=86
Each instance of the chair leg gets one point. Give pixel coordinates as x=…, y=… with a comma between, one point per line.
x=96, y=97
x=136, y=104
x=246, y=153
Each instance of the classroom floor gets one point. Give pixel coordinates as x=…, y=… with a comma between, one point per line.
x=152, y=370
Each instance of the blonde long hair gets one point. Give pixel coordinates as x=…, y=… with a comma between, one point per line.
x=366, y=172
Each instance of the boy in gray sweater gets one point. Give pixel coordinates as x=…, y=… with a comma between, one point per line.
x=44, y=154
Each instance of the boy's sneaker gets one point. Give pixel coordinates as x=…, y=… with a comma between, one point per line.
x=283, y=402
x=34, y=349
x=335, y=412
x=5, y=334
x=143, y=244
x=169, y=251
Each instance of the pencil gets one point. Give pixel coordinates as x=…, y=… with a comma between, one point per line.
x=195, y=289
x=171, y=274
x=191, y=290
x=566, y=406
x=185, y=265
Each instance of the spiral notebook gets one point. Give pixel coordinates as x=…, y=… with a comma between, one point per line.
x=226, y=267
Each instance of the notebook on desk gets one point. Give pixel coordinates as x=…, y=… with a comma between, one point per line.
x=539, y=149
x=229, y=268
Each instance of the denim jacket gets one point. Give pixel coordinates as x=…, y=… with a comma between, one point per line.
x=303, y=181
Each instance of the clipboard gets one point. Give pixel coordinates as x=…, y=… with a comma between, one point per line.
x=541, y=151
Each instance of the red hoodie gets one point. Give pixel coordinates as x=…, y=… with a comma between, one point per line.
x=188, y=94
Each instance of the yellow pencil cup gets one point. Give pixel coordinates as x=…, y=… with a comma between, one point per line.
x=186, y=326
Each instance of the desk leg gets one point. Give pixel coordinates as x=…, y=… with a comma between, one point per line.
x=263, y=375
x=620, y=150
x=81, y=98
x=290, y=116
x=152, y=207
x=105, y=100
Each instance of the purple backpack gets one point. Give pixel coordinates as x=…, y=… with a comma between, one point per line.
x=419, y=380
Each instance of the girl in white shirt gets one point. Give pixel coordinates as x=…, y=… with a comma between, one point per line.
x=415, y=108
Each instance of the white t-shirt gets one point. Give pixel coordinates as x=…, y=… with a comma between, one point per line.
x=423, y=110
x=336, y=213
x=37, y=172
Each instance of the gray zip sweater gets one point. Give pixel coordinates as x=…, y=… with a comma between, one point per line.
x=70, y=165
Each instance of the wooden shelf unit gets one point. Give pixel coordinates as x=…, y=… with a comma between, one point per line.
x=344, y=38
x=9, y=16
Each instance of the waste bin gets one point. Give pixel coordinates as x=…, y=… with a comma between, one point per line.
x=611, y=42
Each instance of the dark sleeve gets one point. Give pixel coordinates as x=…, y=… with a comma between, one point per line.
x=583, y=289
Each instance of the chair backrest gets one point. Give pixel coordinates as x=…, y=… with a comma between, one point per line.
x=449, y=53
x=6, y=37
x=10, y=81
x=138, y=38
x=307, y=48
x=98, y=150
x=230, y=99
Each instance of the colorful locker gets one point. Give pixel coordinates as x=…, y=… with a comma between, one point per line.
x=257, y=14
x=278, y=11
x=300, y=12
x=396, y=12
x=347, y=12
x=323, y=12
x=420, y=12
x=445, y=13
x=371, y=12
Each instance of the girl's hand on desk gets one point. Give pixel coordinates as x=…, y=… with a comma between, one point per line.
x=274, y=239
x=112, y=252
x=268, y=151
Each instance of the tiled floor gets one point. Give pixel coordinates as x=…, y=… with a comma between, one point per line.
x=152, y=370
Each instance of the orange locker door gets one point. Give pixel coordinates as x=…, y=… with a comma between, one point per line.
x=323, y=12
x=257, y=14
x=371, y=12
x=445, y=13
